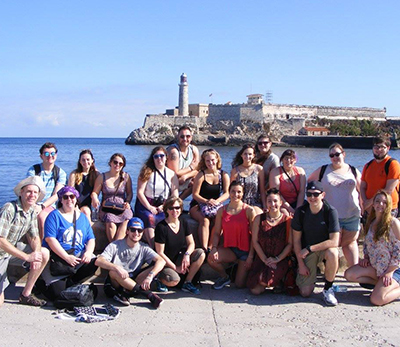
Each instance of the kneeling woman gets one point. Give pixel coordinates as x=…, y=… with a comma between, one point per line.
x=380, y=266
x=175, y=244
x=70, y=238
x=233, y=221
x=272, y=242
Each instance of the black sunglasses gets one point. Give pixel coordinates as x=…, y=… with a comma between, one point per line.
x=337, y=154
x=176, y=208
x=132, y=230
x=315, y=195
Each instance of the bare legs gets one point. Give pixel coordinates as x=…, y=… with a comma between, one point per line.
x=116, y=232
x=204, y=226
x=349, y=245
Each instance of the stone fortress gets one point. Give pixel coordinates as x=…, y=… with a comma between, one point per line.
x=233, y=124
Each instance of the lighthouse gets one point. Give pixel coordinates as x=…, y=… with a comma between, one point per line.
x=183, y=96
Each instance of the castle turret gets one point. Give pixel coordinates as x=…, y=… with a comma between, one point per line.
x=183, y=96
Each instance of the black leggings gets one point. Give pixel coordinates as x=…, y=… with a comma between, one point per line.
x=53, y=291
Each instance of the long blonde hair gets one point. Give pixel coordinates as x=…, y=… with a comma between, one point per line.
x=382, y=228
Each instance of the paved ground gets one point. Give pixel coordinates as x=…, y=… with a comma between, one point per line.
x=228, y=317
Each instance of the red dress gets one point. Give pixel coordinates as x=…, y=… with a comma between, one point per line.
x=272, y=239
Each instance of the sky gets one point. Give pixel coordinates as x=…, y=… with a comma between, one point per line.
x=96, y=68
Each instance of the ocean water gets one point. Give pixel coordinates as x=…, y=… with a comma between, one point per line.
x=18, y=154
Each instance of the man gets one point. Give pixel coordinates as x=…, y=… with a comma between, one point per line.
x=54, y=179
x=183, y=158
x=382, y=172
x=315, y=238
x=265, y=156
x=18, y=219
x=124, y=260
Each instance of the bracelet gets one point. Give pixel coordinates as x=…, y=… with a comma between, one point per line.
x=187, y=253
x=308, y=248
x=277, y=259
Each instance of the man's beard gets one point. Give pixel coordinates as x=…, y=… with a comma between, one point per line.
x=379, y=156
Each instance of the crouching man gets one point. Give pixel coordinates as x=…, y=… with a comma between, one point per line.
x=315, y=238
x=18, y=222
x=125, y=259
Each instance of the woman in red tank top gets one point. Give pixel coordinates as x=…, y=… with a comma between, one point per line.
x=233, y=222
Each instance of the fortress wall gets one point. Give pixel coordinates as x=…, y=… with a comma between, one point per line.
x=224, y=113
x=351, y=112
x=173, y=121
x=253, y=113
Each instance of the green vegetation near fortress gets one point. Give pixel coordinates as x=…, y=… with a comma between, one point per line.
x=359, y=127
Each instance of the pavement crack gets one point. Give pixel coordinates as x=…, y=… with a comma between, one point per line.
x=215, y=321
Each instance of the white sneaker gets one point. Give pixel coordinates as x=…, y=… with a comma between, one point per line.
x=329, y=297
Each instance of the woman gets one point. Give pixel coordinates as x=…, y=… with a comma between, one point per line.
x=82, y=179
x=290, y=180
x=210, y=190
x=272, y=242
x=156, y=182
x=341, y=184
x=251, y=175
x=380, y=266
x=116, y=187
x=233, y=221
x=70, y=238
x=175, y=244
x=265, y=157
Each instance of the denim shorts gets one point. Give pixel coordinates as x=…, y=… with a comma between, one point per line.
x=350, y=224
x=241, y=255
x=396, y=275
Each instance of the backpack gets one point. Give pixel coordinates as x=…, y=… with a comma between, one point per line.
x=353, y=170
x=55, y=171
x=387, y=165
x=76, y=295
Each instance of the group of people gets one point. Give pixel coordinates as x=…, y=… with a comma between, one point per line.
x=264, y=221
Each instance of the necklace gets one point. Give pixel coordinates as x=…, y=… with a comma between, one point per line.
x=274, y=219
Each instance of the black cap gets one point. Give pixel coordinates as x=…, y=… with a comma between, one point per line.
x=315, y=185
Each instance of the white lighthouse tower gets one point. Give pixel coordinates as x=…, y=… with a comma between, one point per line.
x=183, y=96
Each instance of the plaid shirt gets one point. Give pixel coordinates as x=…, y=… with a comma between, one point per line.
x=13, y=229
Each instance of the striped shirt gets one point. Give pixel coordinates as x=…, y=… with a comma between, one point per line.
x=15, y=223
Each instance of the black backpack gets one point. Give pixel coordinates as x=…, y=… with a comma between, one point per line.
x=323, y=169
x=55, y=171
x=76, y=295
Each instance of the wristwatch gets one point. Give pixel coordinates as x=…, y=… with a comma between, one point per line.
x=308, y=248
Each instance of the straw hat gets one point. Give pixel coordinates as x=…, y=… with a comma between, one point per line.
x=36, y=180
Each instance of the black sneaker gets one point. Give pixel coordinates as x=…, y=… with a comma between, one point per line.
x=121, y=299
x=155, y=300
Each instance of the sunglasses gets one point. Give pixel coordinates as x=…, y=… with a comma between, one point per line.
x=264, y=143
x=337, y=154
x=48, y=154
x=158, y=156
x=315, y=195
x=185, y=136
x=120, y=163
x=68, y=196
x=132, y=230
x=176, y=208
x=380, y=147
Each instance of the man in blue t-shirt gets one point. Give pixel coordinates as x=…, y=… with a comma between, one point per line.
x=124, y=259
x=54, y=179
x=316, y=238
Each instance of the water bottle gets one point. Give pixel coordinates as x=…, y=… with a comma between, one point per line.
x=339, y=289
x=95, y=212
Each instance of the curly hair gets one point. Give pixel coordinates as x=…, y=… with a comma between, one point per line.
x=202, y=164
x=238, y=160
x=383, y=226
x=149, y=165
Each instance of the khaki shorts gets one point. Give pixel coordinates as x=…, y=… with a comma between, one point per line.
x=311, y=262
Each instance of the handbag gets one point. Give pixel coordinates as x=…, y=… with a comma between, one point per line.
x=113, y=207
x=209, y=211
x=58, y=266
x=110, y=206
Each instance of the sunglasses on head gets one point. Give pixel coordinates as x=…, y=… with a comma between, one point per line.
x=337, y=154
x=176, y=208
x=68, y=196
x=48, y=154
x=120, y=163
x=132, y=230
x=158, y=156
x=315, y=195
